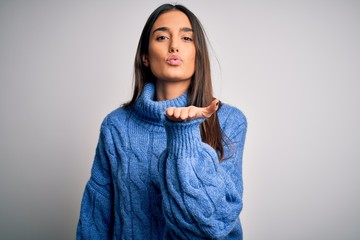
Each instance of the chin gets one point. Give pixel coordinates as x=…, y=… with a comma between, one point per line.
x=176, y=79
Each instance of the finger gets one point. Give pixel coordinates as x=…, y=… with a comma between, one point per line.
x=209, y=110
x=177, y=112
x=172, y=118
x=189, y=113
x=192, y=111
x=169, y=111
x=184, y=114
x=214, y=106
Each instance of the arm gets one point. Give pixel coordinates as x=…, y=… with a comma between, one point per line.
x=201, y=198
x=96, y=208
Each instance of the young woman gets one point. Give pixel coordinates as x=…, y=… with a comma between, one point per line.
x=168, y=164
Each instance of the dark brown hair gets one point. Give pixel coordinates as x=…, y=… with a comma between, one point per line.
x=200, y=92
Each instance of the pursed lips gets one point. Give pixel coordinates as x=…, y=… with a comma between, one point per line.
x=174, y=60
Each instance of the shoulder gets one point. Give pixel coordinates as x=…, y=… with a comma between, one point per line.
x=113, y=128
x=116, y=118
x=233, y=122
x=231, y=116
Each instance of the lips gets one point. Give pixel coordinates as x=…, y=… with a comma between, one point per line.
x=174, y=60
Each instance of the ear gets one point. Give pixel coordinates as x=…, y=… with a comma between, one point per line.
x=145, y=60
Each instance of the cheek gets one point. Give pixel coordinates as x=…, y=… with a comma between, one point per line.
x=192, y=59
x=155, y=63
x=193, y=54
x=154, y=53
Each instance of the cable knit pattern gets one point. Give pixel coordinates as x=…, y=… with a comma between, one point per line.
x=155, y=179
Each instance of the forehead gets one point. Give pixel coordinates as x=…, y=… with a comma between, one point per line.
x=172, y=19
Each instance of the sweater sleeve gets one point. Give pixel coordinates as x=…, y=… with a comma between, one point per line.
x=96, y=218
x=201, y=198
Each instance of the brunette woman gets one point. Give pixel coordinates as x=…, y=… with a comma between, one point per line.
x=168, y=164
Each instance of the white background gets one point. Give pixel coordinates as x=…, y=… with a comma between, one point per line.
x=291, y=66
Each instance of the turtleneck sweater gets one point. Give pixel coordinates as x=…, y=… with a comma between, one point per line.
x=153, y=178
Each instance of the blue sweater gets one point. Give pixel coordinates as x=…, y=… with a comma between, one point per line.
x=155, y=179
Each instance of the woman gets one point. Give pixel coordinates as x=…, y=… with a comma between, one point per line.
x=168, y=164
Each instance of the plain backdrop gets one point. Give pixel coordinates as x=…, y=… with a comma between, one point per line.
x=291, y=66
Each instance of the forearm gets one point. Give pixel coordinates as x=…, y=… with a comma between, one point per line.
x=200, y=198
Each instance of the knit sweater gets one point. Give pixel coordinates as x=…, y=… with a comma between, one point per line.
x=155, y=179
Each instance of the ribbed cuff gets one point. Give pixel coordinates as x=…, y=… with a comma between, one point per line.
x=183, y=137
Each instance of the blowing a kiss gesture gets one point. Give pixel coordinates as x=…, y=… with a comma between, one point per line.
x=192, y=112
x=168, y=173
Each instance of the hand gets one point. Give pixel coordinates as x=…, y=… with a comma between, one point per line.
x=189, y=113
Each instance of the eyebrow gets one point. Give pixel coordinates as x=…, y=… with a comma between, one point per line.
x=166, y=29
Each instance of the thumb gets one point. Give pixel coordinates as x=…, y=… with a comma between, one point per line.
x=211, y=109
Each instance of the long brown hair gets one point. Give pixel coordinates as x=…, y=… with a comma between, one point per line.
x=200, y=92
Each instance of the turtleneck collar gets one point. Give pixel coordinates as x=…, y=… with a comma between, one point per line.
x=154, y=111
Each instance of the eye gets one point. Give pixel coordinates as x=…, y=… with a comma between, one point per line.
x=187, y=39
x=161, y=38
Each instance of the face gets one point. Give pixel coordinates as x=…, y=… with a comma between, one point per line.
x=172, y=52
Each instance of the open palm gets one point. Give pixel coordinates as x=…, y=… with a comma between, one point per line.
x=192, y=112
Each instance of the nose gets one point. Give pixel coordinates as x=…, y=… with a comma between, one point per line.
x=174, y=44
x=173, y=49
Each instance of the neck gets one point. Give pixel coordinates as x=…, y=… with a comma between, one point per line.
x=170, y=90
